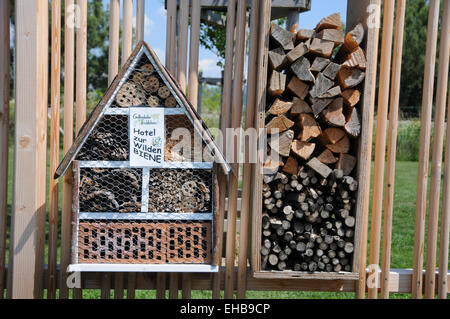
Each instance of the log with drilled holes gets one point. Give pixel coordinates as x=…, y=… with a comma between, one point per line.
x=313, y=123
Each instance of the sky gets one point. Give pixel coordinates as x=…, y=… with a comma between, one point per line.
x=155, y=29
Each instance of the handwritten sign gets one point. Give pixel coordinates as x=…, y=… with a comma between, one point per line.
x=147, y=137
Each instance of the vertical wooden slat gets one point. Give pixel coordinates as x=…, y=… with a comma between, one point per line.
x=81, y=66
x=225, y=123
x=28, y=212
x=193, y=53
x=127, y=40
x=54, y=148
x=445, y=218
x=127, y=29
x=392, y=147
x=424, y=153
x=114, y=24
x=4, y=134
x=170, y=65
x=380, y=148
x=113, y=69
x=247, y=174
x=161, y=279
x=438, y=143
x=261, y=92
x=236, y=118
x=173, y=286
x=69, y=65
x=372, y=16
x=171, y=34
x=181, y=78
x=183, y=44
x=81, y=78
x=140, y=20
x=140, y=32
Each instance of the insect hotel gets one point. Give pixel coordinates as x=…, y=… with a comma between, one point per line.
x=142, y=201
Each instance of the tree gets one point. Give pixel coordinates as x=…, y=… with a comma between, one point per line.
x=414, y=50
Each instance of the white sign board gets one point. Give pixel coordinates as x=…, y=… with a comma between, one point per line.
x=147, y=137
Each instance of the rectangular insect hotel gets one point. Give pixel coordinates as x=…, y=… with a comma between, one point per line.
x=308, y=200
x=144, y=178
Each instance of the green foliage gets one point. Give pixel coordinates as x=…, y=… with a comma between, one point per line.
x=415, y=38
x=213, y=37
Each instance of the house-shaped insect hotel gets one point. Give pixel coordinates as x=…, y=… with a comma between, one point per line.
x=144, y=178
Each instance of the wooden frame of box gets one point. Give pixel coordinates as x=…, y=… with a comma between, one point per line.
x=357, y=12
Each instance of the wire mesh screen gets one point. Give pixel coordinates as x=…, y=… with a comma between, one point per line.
x=109, y=141
x=180, y=191
x=144, y=242
x=110, y=190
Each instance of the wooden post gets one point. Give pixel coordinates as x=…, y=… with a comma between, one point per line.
x=193, y=82
x=424, y=153
x=140, y=20
x=171, y=34
x=225, y=122
x=127, y=30
x=113, y=69
x=260, y=105
x=193, y=53
x=445, y=219
x=81, y=66
x=81, y=79
x=54, y=148
x=380, y=149
x=170, y=65
x=127, y=40
x=28, y=212
x=114, y=21
x=183, y=44
x=247, y=174
x=373, y=33
x=69, y=65
x=4, y=135
x=238, y=84
x=438, y=143
x=392, y=148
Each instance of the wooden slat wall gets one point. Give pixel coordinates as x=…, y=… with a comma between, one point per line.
x=4, y=134
x=27, y=271
x=28, y=213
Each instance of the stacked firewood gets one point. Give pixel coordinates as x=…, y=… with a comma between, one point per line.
x=313, y=124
